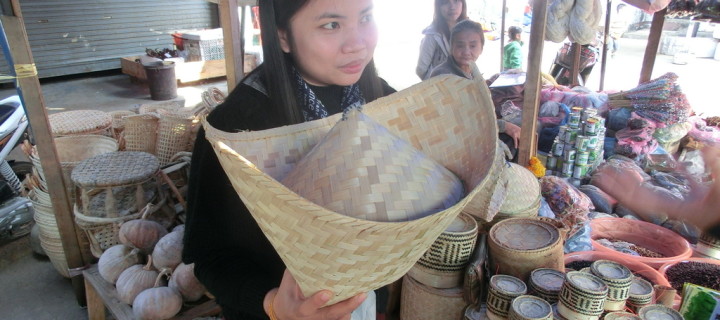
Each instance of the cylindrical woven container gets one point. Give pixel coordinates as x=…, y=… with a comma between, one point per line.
x=520, y=245
x=618, y=278
x=443, y=264
x=420, y=302
x=118, y=121
x=582, y=296
x=173, y=136
x=620, y=315
x=709, y=246
x=641, y=294
x=528, y=307
x=140, y=132
x=80, y=122
x=348, y=255
x=546, y=284
x=503, y=289
x=658, y=311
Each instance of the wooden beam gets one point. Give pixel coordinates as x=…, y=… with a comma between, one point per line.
x=233, y=38
x=33, y=101
x=528, y=145
x=576, y=49
x=606, y=33
x=652, y=45
x=502, y=34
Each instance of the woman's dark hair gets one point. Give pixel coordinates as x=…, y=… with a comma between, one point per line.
x=468, y=25
x=277, y=65
x=439, y=22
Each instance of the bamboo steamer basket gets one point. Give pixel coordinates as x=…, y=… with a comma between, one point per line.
x=640, y=294
x=618, y=278
x=518, y=246
x=443, y=264
x=80, y=122
x=528, y=307
x=444, y=117
x=502, y=290
x=546, y=283
x=582, y=296
x=420, y=302
x=620, y=315
x=657, y=312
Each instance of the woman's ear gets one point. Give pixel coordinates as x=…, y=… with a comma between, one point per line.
x=284, y=43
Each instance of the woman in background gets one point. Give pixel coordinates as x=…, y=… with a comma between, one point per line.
x=435, y=45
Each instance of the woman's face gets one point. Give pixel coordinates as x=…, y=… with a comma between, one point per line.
x=450, y=10
x=331, y=41
x=466, y=47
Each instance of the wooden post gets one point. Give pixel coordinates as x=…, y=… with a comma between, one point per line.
x=502, y=34
x=603, y=63
x=528, y=145
x=233, y=39
x=576, y=49
x=31, y=94
x=652, y=45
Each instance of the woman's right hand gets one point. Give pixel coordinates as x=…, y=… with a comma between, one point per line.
x=288, y=303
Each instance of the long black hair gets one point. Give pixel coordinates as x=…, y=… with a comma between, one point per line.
x=439, y=22
x=277, y=65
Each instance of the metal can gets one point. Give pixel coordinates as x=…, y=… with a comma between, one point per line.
x=592, y=156
x=551, y=163
x=575, y=182
x=590, y=127
x=587, y=113
x=581, y=143
x=593, y=142
x=581, y=159
x=570, y=135
x=579, y=171
x=557, y=148
x=574, y=120
x=567, y=169
x=576, y=109
x=561, y=133
x=569, y=155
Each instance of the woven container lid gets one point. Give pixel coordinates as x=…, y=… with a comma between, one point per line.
x=640, y=288
x=118, y=168
x=508, y=284
x=658, y=312
x=586, y=283
x=79, y=122
x=444, y=117
x=362, y=170
x=547, y=280
x=523, y=189
x=621, y=315
x=611, y=270
x=524, y=234
x=527, y=307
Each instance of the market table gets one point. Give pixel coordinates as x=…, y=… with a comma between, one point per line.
x=101, y=294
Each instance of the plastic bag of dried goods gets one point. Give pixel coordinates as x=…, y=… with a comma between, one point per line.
x=567, y=202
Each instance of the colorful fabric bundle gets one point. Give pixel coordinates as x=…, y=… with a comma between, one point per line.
x=576, y=97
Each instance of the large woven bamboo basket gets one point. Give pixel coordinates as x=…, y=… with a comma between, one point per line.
x=450, y=119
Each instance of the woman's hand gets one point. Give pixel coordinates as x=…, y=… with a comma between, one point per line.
x=288, y=303
x=513, y=131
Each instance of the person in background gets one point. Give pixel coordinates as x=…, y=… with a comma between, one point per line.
x=701, y=208
x=467, y=40
x=512, y=52
x=435, y=45
x=318, y=61
x=618, y=26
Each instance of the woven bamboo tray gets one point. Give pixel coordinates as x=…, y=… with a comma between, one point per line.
x=448, y=118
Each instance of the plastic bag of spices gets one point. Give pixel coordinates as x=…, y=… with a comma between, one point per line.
x=567, y=202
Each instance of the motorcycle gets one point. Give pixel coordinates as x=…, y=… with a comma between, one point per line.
x=16, y=211
x=560, y=69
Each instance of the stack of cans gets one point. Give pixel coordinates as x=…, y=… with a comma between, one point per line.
x=578, y=147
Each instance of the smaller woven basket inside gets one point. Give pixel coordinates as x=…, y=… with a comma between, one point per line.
x=420, y=302
x=522, y=197
x=80, y=122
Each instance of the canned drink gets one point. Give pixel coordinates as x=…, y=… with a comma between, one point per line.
x=588, y=113
x=579, y=171
x=551, y=162
x=581, y=143
x=567, y=169
x=576, y=109
x=582, y=158
x=590, y=127
x=570, y=135
x=569, y=155
x=593, y=142
x=592, y=156
x=574, y=120
x=557, y=148
x=561, y=133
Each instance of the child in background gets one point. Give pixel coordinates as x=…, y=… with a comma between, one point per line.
x=512, y=53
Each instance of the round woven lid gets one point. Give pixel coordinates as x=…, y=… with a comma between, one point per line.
x=547, y=280
x=524, y=234
x=607, y=269
x=621, y=315
x=658, y=312
x=640, y=287
x=531, y=307
x=508, y=284
x=79, y=121
x=115, y=169
x=523, y=189
x=586, y=282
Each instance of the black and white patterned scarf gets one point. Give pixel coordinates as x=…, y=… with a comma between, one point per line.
x=313, y=109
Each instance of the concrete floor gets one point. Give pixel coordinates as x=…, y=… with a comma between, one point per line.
x=30, y=288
